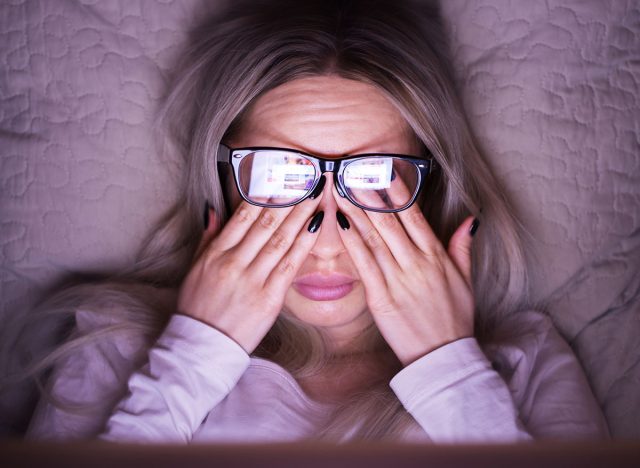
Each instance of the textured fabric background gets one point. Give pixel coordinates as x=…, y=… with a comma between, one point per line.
x=552, y=92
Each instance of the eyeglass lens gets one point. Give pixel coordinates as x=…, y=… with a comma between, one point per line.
x=276, y=178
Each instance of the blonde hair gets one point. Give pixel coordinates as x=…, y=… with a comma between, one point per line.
x=256, y=46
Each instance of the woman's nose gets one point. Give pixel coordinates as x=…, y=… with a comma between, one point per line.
x=329, y=244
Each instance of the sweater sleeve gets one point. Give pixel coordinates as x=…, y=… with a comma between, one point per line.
x=86, y=384
x=547, y=381
x=191, y=368
x=533, y=388
x=455, y=395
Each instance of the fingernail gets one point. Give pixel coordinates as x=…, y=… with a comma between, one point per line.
x=206, y=214
x=318, y=190
x=474, y=226
x=316, y=221
x=343, y=222
x=393, y=175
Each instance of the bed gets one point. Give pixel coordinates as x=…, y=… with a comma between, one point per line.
x=552, y=91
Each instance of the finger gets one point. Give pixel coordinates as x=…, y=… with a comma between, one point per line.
x=398, y=192
x=412, y=218
x=211, y=229
x=460, y=249
x=369, y=198
x=405, y=230
x=284, y=272
x=237, y=226
x=369, y=269
x=279, y=243
x=387, y=227
x=418, y=229
x=395, y=237
x=266, y=227
x=370, y=236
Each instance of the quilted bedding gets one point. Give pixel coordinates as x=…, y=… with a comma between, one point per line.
x=552, y=91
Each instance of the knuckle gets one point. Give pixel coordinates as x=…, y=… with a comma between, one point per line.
x=267, y=220
x=465, y=250
x=244, y=214
x=286, y=267
x=415, y=216
x=389, y=221
x=277, y=242
x=372, y=239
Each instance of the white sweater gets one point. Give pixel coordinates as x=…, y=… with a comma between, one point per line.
x=199, y=385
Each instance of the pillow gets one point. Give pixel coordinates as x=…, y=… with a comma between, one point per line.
x=81, y=179
x=551, y=92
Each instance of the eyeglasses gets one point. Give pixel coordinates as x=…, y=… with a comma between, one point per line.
x=278, y=177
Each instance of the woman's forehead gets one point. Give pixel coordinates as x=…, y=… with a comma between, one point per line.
x=328, y=116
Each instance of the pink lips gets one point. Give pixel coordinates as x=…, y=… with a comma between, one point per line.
x=319, y=287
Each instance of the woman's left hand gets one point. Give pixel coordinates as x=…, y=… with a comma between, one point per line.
x=418, y=292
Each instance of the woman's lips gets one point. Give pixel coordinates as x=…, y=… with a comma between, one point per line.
x=318, y=287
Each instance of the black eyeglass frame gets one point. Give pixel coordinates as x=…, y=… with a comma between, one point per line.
x=234, y=156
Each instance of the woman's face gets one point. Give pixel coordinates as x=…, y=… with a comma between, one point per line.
x=331, y=117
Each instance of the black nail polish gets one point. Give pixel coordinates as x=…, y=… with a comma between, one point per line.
x=318, y=190
x=316, y=221
x=343, y=222
x=206, y=214
x=393, y=175
x=474, y=226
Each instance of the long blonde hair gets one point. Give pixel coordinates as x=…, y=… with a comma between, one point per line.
x=255, y=46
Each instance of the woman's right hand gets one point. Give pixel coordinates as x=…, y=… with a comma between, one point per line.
x=239, y=278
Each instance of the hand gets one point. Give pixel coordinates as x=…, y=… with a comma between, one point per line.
x=418, y=293
x=239, y=279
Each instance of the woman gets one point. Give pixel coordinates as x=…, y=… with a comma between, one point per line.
x=327, y=306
